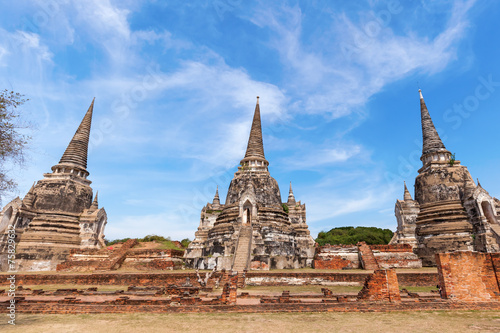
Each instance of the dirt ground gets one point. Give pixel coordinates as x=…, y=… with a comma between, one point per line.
x=435, y=321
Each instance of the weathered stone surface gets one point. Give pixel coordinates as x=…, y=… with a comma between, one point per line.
x=406, y=212
x=382, y=285
x=252, y=230
x=57, y=214
x=449, y=212
x=469, y=276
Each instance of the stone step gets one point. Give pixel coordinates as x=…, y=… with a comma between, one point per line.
x=243, y=249
x=367, y=258
x=496, y=229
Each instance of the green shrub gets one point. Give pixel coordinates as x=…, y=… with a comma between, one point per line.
x=285, y=207
x=353, y=235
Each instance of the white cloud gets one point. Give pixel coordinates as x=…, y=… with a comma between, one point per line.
x=321, y=157
x=327, y=80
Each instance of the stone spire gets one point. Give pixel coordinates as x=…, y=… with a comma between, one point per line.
x=291, y=197
x=29, y=198
x=407, y=195
x=255, y=146
x=478, y=183
x=216, y=200
x=95, y=205
x=433, y=148
x=75, y=155
x=254, y=157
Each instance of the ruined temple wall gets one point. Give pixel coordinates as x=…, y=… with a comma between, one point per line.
x=62, y=195
x=469, y=276
x=443, y=182
x=337, y=257
x=347, y=257
x=442, y=223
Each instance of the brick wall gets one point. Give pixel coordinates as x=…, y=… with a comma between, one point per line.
x=333, y=262
x=368, y=260
x=157, y=264
x=336, y=257
x=392, y=248
x=469, y=276
x=157, y=306
x=382, y=285
x=387, y=260
x=347, y=256
x=252, y=278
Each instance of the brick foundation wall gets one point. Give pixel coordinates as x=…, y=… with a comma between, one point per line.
x=392, y=248
x=382, y=285
x=128, y=306
x=334, y=262
x=469, y=276
x=347, y=256
x=252, y=278
x=157, y=264
x=387, y=260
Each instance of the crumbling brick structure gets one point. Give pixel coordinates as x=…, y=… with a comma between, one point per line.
x=382, y=285
x=469, y=276
x=366, y=256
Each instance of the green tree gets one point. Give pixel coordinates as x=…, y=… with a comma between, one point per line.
x=185, y=242
x=12, y=141
x=351, y=235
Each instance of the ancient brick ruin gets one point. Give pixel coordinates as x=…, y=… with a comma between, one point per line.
x=182, y=292
x=450, y=212
x=382, y=285
x=253, y=229
x=59, y=213
x=469, y=276
x=126, y=256
x=363, y=256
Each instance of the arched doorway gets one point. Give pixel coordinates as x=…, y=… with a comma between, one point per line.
x=247, y=213
x=488, y=212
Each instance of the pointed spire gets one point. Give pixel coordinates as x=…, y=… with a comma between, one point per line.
x=29, y=198
x=95, y=205
x=478, y=183
x=255, y=147
x=431, y=140
x=76, y=152
x=216, y=200
x=407, y=195
x=291, y=197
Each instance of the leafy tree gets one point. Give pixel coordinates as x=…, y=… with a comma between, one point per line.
x=12, y=141
x=185, y=242
x=351, y=235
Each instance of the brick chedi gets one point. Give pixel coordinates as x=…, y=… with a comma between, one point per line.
x=59, y=213
x=254, y=229
x=450, y=212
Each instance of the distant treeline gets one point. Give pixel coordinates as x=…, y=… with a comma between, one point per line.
x=352, y=235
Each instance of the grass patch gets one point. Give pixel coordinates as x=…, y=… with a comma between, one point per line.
x=307, y=289
x=423, y=289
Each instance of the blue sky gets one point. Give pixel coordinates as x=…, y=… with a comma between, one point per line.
x=175, y=85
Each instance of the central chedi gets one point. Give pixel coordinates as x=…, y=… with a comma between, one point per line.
x=254, y=229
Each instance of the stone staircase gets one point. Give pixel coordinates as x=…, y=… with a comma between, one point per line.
x=366, y=257
x=117, y=257
x=242, y=254
x=496, y=231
